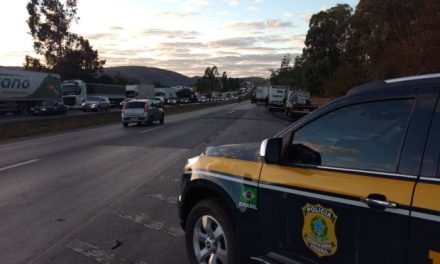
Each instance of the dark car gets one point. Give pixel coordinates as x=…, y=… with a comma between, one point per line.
x=355, y=181
x=96, y=103
x=48, y=107
x=183, y=100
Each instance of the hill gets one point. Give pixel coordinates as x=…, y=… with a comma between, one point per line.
x=151, y=74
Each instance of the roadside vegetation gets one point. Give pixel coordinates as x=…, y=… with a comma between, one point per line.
x=378, y=40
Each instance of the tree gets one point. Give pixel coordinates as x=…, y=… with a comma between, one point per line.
x=225, y=86
x=63, y=52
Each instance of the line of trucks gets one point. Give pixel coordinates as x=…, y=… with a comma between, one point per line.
x=20, y=90
x=280, y=97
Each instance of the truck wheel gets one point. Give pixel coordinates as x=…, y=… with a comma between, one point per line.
x=23, y=108
x=210, y=236
x=125, y=124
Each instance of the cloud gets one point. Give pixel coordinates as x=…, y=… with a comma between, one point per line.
x=172, y=34
x=234, y=42
x=253, y=9
x=201, y=3
x=306, y=16
x=234, y=3
x=188, y=45
x=100, y=36
x=116, y=28
x=260, y=25
x=275, y=39
x=177, y=15
x=275, y=23
x=288, y=14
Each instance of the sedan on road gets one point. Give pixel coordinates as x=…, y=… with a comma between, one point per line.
x=142, y=112
x=48, y=107
x=96, y=103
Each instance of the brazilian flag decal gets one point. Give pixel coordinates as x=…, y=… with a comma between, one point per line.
x=248, y=197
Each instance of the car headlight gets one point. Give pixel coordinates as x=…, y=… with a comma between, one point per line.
x=190, y=162
x=83, y=104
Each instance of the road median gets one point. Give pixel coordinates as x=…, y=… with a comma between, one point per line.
x=19, y=129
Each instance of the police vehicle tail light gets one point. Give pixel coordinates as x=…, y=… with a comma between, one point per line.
x=146, y=107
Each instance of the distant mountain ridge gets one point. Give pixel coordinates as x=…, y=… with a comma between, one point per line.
x=151, y=74
x=165, y=77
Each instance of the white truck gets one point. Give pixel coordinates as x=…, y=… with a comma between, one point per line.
x=262, y=93
x=165, y=92
x=277, y=97
x=298, y=100
x=140, y=91
x=20, y=90
x=76, y=91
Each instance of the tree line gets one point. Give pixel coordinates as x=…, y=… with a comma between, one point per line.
x=378, y=40
x=212, y=81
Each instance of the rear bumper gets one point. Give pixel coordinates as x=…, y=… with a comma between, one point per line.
x=134, y=119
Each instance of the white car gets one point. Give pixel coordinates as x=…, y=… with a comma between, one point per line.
x=142, y=112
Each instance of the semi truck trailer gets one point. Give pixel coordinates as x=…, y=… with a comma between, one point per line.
x=76, y=91
x=20, y=90
x=140, y=91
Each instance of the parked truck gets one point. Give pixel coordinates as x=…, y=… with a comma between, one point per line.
x=76, y=91
x=20, y=90
x=140, y=91
x=262, y=94
x=277, y=97
x=298, y=100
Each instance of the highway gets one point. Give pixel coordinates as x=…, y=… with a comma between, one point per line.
x=108, y=194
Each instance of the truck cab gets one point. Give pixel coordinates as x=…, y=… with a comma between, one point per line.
x=74, y=92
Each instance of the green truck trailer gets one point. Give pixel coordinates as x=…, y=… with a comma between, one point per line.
x=20, y=90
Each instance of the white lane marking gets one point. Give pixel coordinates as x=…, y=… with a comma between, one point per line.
x=170, y=200
x=97, y=254
x=231, y=112
x=19, y=164
x=151, y=129
x=196, y=117
x=146, y=221
x=91, y=251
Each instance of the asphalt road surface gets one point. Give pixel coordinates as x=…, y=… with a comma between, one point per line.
x=108, y=194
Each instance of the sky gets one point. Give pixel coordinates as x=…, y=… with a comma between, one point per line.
x=242, y=37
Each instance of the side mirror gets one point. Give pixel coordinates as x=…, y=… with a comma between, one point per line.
x=270, y=150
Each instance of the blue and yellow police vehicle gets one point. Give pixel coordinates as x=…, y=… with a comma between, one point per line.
x=356, y=181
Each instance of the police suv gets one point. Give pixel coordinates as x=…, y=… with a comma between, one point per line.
x=356, y=181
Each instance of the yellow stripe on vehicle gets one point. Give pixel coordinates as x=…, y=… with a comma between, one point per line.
x=249, y=170
x=339, y=183
x=427, y=196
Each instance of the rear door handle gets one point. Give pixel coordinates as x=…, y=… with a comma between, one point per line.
x=378, y=203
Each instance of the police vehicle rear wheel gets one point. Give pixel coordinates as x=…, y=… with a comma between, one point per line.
x=210, y=236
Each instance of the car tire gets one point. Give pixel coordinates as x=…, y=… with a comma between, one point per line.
x=209, y=229
x=150, y=120
x=162, y=119
x=125, y=124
